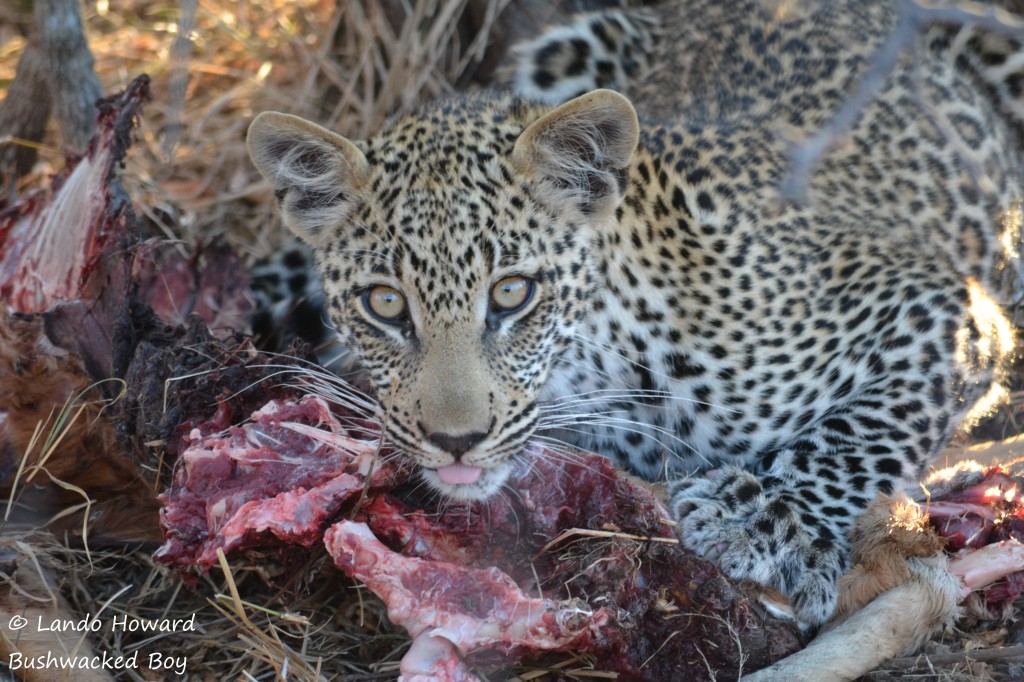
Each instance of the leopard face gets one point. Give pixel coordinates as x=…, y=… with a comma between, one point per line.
x=456, y=252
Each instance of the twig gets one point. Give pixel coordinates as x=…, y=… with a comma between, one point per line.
x=1008, y=653
x=592, y=533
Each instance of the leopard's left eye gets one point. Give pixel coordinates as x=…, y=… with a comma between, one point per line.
x=386, y=304
x=511, y=293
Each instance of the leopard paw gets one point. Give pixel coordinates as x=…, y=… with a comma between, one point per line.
x=754, y=531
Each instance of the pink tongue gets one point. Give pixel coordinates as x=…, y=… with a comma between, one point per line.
x=454, y=474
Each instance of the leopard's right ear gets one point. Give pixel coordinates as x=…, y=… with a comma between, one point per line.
x=315, y=173
x=579, y=153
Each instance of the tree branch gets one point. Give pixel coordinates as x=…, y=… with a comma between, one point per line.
x=914, y=15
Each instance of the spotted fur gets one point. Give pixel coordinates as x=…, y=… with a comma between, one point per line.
x=290, y=306
x=780, y=364
x=609, y=49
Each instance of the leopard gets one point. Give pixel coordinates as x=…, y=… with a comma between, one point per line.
x=602, y=258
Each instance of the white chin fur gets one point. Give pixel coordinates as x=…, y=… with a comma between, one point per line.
x=490, y=482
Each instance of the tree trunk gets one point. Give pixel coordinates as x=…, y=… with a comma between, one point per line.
x=55, y=72
x=23, y=115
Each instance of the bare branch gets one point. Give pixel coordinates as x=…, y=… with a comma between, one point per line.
x=73, y=84
x=1005, y=653
x=23, y=115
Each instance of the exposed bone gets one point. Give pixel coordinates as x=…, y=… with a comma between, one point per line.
x=903, y=586
x=984, y=566
x=433, y=659
x=897, y=620
x=488, y=608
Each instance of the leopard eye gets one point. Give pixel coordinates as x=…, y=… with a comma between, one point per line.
x=511, y=294
x=385, y=303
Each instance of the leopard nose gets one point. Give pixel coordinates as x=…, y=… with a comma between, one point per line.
x=456, y=445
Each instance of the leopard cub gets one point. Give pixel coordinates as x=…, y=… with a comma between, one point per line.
x=509, y=271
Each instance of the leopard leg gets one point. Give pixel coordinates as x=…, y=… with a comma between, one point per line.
x=784, y=517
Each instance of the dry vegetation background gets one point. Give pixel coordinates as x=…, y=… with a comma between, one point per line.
x=215, y=64
x=348, y=64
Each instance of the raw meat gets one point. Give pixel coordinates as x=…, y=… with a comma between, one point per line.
x=471, y=608
x=267, y=477
x=591, y=543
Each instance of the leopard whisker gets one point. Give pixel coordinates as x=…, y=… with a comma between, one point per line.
x=621, y=425
x=562, y=449
x=566, y=453
x=369, y=230
x=562, y=452
x=621, y=353
x=314, y=379
x=566, y=397
x=637, y=398
x=565, y=421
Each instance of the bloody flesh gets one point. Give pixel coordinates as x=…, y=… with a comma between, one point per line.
x=295, y=472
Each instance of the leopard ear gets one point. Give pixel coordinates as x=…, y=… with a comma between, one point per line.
x=580, y=151
x=315, y=173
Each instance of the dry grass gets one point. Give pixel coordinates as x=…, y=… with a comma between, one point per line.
x=217, y=63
